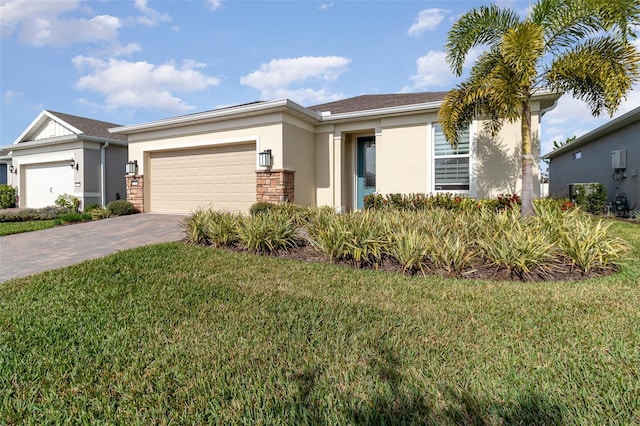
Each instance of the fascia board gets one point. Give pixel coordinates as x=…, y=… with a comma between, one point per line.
x=404, y=109
x=43, y=142
x=233, y=112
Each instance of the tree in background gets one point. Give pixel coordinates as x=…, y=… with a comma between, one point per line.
x=581, y=47
x=557, y=144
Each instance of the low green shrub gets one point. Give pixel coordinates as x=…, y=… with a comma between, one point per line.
x=591, y=197
x=69, y=202
x=8, y=196
x=447, y=201
x=73, y=217
x=121, y=208
x=91, y=207
x=260, y=207
x=24, y=215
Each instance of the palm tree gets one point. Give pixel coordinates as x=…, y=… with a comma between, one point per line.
x=581, y=47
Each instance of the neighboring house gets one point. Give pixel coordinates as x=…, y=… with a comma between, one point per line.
x=325, y=155
x=609, y=155
x=64, y=154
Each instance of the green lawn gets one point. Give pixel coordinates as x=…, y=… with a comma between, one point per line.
x=185, y=335
x=8, y=228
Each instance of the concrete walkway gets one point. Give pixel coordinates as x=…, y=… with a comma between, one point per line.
x=33, y=252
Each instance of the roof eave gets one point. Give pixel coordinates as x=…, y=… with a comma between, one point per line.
x=389, y=111
x=221, y=114
x=60, y=140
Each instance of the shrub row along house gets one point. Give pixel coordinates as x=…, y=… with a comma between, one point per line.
x=331, y=154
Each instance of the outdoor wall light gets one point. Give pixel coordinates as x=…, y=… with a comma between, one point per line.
x=131, y=167
x=13, y=170
x=265, y=159
x=73, y=164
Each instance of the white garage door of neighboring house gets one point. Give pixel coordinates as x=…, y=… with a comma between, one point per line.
x=223, y=177
x=45, y=182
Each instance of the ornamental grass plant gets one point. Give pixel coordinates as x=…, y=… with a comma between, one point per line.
x=477, y=240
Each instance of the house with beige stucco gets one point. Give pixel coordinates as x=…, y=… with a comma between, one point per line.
x=331, y=154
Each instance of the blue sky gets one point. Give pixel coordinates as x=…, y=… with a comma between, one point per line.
x=134, y=61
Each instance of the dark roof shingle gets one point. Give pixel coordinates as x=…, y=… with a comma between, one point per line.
x=369, y=102
x=90, y=127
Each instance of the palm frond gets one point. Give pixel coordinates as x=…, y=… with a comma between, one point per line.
x=521, y=49
x=482, y=26
x=600, y=72
x=568, y=23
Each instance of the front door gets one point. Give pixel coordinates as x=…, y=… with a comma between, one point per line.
x=366, y=165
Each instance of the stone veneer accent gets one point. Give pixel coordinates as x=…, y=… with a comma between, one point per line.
x=274, y=186
x=135, y=193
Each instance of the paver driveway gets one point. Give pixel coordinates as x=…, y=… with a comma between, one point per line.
x=32, y=252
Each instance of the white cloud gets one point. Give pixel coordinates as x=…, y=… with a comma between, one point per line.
x=274, y=79
x=150, y=17
x=141, y=84
x=214, y=4
x=427, y=20
x=15, y=12
x=41, y=32
x=326, y=6
x=10, y=95
x=433, y=71
x=127, y=50
x=40, y=23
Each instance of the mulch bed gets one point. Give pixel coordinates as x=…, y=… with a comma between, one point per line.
x=554, y=272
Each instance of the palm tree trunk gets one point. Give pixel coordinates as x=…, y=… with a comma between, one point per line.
x=527, y=162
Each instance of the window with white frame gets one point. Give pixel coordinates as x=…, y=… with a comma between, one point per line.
x=451, y=165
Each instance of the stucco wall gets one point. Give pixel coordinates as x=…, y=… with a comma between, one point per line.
x=594, y=165
x=404, y=155
x=90, y=169
x=324, y=168
x=498, y=160
x=299, y=152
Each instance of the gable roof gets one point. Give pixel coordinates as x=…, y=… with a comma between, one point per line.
x=613, y=125
x=80, y=126
x=89, y=126
x=371, y=102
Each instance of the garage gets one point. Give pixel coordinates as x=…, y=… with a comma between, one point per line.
x=45, y=182
x=220, y=176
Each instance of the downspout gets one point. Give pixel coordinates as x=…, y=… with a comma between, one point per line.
x=103, y=174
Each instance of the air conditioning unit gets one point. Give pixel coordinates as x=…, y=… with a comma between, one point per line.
x=619, y=159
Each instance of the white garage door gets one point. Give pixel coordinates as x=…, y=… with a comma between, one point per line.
x=223, y=177
x=43, y=183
